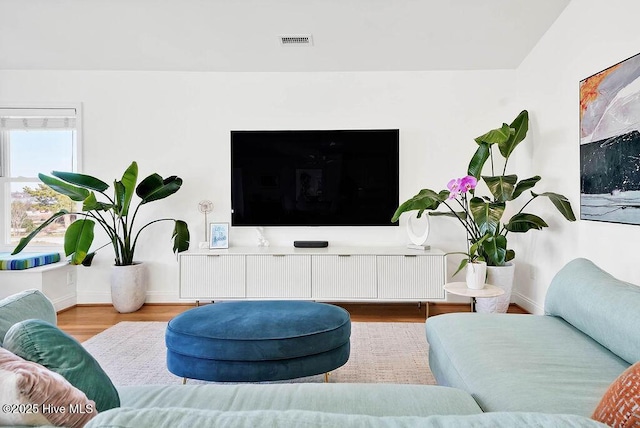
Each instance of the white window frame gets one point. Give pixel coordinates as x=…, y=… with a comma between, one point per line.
x=5, y=181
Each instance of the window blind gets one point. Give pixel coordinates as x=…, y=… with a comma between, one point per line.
x=37, y=118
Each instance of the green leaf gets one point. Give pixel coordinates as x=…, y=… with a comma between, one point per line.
x=560, y=202
x=519, y=127
x=501, y=186
x=486, y=215
x=88, y=259
x=426, y=199
x=478, y=160
x=458, y=214
x=523, y=222
x=78, y=239
x=461, y=266
x=180, y=236
x=82, y=180
x=24, y=241
x=92, y=204
x=154, y=187
x=510, y=255
x=119, y=190
x=525, y=185
x=496, y=136
x=127, y=187
x=494, y=249
x=74, y=192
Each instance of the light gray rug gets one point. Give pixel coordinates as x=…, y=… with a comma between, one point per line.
x=133, y=353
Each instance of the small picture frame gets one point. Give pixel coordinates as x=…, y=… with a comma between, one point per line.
x=218, y=235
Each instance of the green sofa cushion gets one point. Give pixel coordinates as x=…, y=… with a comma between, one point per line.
x=516, y=362
x=365, y=399
x=181, y=417
x=45, y=344
x=23, y=306
x=598, y=304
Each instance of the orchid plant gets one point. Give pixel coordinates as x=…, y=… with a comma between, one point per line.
x=481, y=216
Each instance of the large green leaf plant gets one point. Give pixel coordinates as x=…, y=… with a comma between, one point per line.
x=482, y=216
x=115, y=215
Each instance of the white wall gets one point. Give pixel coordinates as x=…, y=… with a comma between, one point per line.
x=589, y=36
x=178, y=123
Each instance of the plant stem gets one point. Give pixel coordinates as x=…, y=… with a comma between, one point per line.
x=464, y=223
x=144, y=227
x=491, y=156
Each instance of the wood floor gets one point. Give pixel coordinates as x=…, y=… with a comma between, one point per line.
x=84, y=322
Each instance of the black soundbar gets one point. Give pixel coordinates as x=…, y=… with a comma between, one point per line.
x=310, y=244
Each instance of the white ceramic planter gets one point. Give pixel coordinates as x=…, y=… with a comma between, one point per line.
x=502, y=277
x=476, y=274
x=128, y=287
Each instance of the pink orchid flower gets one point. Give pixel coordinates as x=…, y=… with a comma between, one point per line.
x=458, y=186
x=467, y=183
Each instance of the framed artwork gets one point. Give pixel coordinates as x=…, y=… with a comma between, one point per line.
x=218, y=235
x=610, y=144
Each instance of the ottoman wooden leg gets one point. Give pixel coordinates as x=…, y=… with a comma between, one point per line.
x=326, y=377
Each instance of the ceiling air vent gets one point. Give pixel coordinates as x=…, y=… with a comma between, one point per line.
x=296, y=40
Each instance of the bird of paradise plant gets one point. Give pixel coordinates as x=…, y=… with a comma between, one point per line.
x=114, y=214
x=481, y=216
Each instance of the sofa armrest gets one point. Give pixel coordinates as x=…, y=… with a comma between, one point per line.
x=599, y=305
x=22, y=306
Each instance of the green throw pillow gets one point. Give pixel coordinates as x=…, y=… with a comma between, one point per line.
x=45, y=344
x=23, y=306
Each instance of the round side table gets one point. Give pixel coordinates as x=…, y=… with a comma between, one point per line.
x=461, y=289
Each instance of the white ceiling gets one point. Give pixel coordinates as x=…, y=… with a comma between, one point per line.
x=243, y=35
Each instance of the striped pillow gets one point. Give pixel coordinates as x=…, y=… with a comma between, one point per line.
x=27, y=260
x=620, y=406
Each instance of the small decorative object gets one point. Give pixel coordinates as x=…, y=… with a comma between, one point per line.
x=205, y=207
x=610, y=143
x=476, y=275
x=219, y=235
x=262, y=241
x=418, y=239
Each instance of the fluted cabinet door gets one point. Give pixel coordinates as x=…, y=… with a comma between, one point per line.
x=210, y=276
x=344, y=277
x=411, y=277
x=279, y=276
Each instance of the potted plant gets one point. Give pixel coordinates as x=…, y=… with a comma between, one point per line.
x=116, y=216
x=481, y=216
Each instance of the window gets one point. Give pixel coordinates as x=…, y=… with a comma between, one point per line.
x=33, y=141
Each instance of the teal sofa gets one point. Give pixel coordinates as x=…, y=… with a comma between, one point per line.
x=349, y=405
x=562, y=362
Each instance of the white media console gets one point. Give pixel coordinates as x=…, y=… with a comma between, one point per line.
x=338, y=274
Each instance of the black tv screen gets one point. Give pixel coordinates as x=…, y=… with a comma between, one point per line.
x=314, y=178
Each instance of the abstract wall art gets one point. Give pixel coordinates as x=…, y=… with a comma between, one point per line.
x=610, y=144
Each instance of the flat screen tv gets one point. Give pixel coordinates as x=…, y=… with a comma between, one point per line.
x=314, y=178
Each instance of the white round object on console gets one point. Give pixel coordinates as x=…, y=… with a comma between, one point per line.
x=418, y=228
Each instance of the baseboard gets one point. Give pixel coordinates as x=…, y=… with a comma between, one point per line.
x=65, y=302
x=527, y=304
x=93, y=298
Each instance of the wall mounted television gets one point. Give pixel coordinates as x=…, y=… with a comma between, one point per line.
x=314, y=178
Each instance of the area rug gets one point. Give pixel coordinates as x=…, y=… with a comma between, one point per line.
x=134, y=353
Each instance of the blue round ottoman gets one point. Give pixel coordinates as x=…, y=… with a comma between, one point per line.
x=254, y=341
